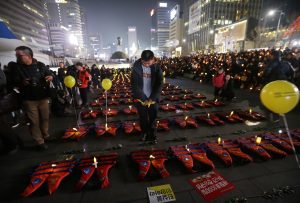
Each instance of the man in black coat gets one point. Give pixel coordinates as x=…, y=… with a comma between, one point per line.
x=32, y=78
x=147, y=82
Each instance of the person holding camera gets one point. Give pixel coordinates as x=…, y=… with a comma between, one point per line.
x=32, y=78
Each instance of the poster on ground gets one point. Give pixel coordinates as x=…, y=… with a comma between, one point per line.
x=211, y=185
x=161, y=193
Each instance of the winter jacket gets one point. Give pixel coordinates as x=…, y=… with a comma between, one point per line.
x=219, y=80
x=137, y=82
x=83, y=78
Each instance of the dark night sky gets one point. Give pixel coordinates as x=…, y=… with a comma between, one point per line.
x=111, y=18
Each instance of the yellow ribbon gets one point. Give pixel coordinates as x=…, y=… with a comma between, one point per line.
x=146, y=103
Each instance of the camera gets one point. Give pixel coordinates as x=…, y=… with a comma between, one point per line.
x=34, y=82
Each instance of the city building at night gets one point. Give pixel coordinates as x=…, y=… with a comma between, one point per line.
x=95, y=46
x=132, y=41
x=26, y=19
x=205, y=16
x=176, y=31
x=160, y=26
x=68, y=14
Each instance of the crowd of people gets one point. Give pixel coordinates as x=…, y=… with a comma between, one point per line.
x=248, y=69
x=36, y=83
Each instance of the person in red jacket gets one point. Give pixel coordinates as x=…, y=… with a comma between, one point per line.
x=83, y=79
x=218, y=82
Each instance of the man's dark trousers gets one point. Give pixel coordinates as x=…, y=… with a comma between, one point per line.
x=147, y=120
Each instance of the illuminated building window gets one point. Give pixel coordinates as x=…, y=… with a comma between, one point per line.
x=33, y=10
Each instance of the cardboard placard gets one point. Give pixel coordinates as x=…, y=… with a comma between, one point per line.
x=161, y=193
x=211, y=185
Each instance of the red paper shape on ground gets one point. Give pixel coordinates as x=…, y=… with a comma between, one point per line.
x=211, y=185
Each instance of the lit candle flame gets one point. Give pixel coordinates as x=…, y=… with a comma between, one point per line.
x=186, y=118
x=250, y=111
x=91, y=111
x=187, y=149
x=75, y=129
x=106, y=127
x=208, y=115
x=108, y=109
x=167, y=105
x=202, y=102
x=231, y=113
x=130, y=107
x=95, y=162
x=133, y=124
x=216, y=100
x=157, y=122
x=258, y=140
x=219, y=140
x=53, y=165
x=151, y=156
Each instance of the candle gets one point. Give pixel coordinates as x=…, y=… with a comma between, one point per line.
x=231, y=113
x=75, y=129
x=133, y=124
x=250, y=111
x=167, y=105
x=53, y=165
x=95, y=162
x=219, y=140
x=279, y=131
x=151, y=157
x=216, y=100
x=108, y=109
x=130, y=107
x=186, y=118
x=186, y=147
x=258, y=140
x=208, y=115
x=157, y=122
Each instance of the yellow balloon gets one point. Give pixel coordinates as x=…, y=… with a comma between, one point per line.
x=280, y=96
x=106, y=84
x=69, y=81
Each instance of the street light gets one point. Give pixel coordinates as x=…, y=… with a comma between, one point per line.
x=271, y=13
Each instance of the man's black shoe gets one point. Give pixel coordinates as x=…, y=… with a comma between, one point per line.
x=49, y=139
x=42, y=147
x=144, y=137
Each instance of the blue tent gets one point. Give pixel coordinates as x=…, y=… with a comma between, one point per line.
x=5, y=32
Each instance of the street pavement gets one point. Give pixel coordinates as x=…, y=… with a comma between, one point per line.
x=251, y=180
